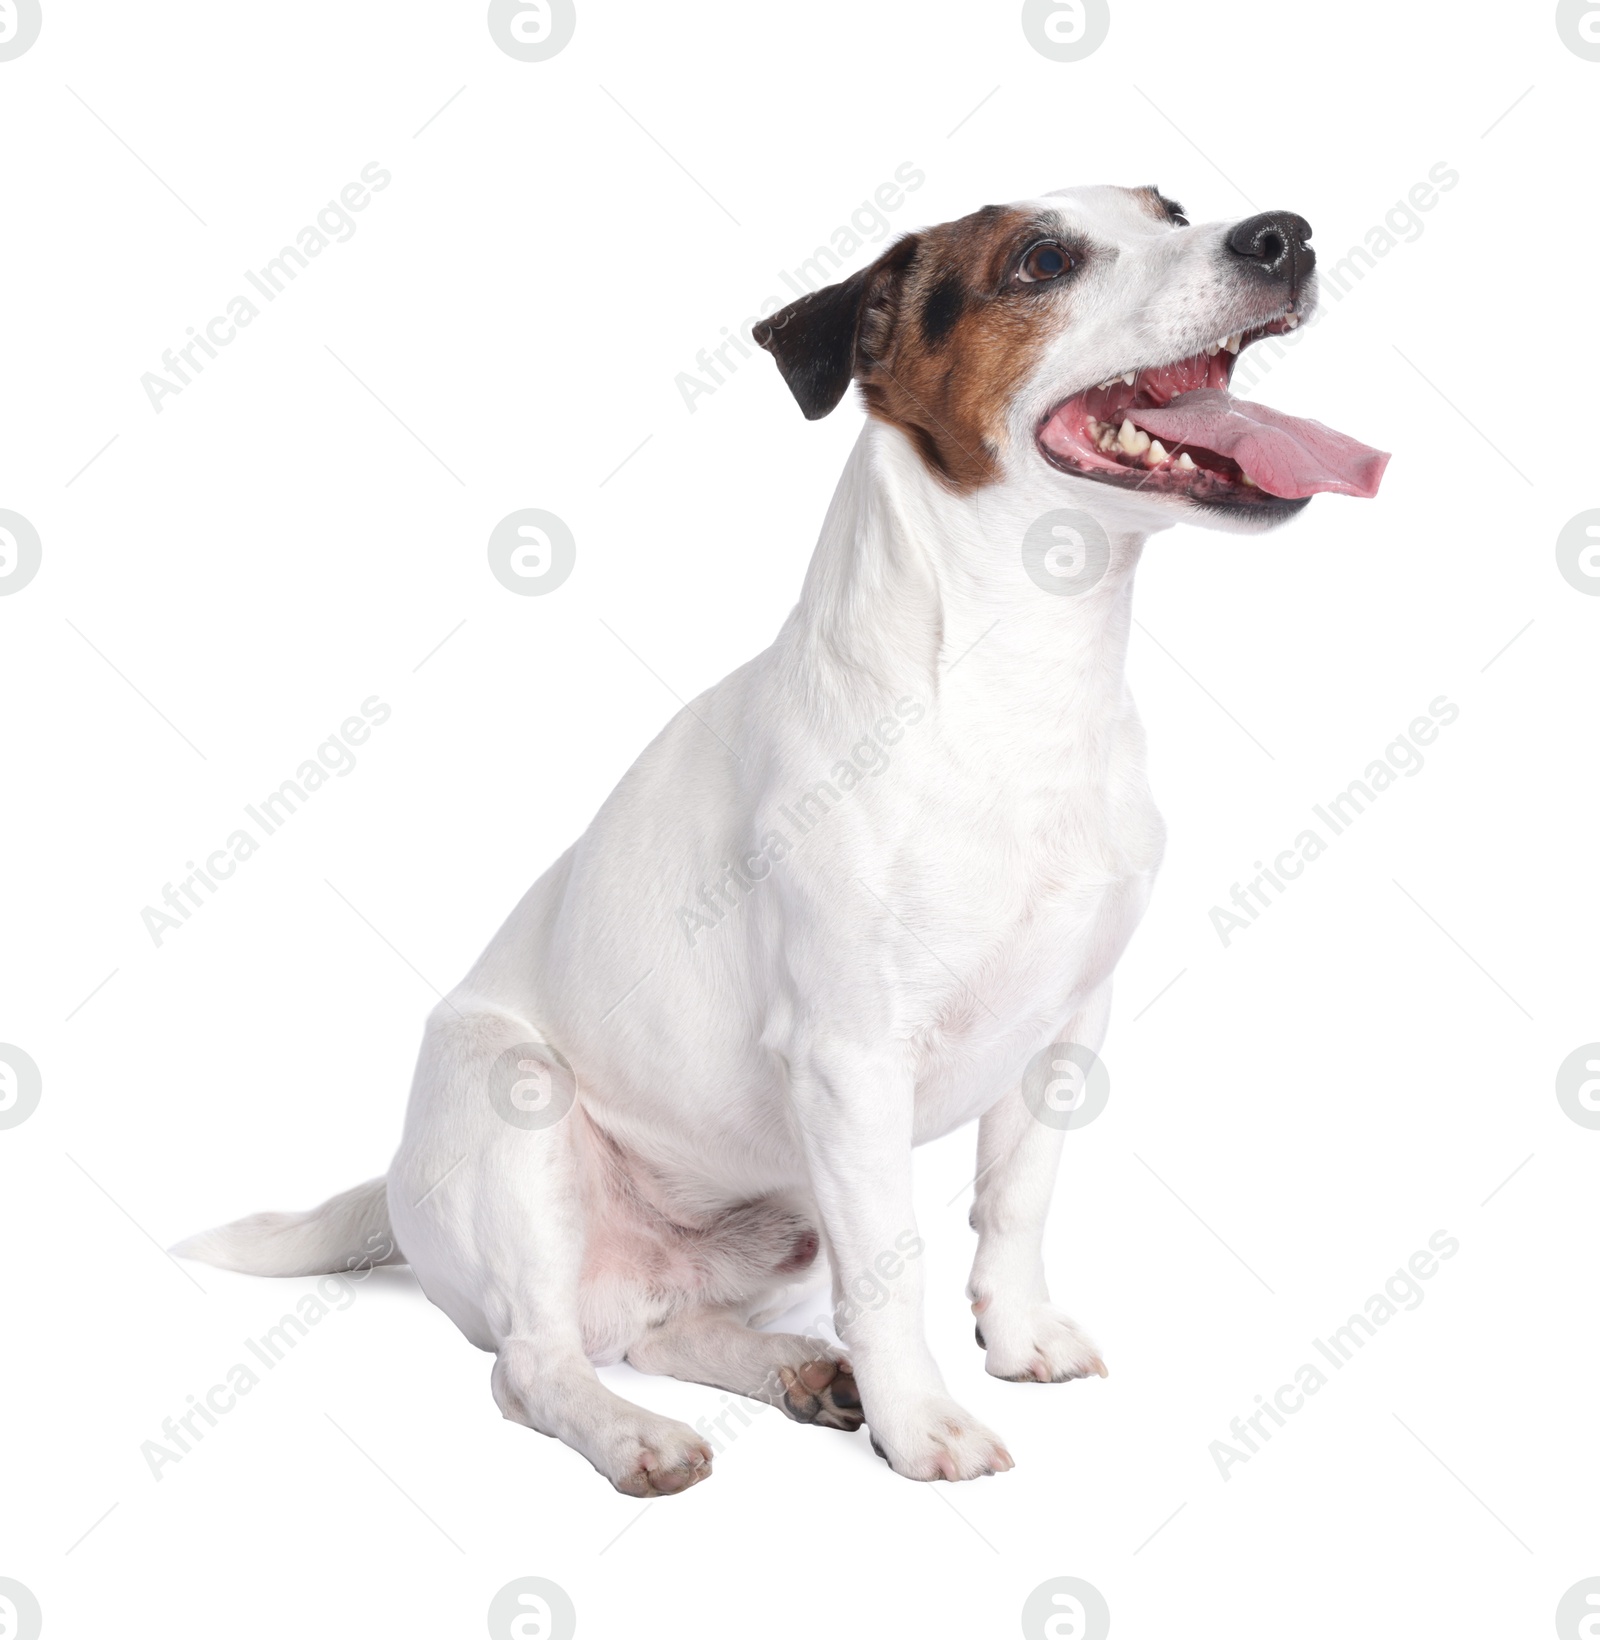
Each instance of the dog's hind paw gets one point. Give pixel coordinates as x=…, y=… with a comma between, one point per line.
x=821, y=1392
x=659, y=1459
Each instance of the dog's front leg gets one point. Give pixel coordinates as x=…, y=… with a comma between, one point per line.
x=854, y=1109
x=1025, y=1337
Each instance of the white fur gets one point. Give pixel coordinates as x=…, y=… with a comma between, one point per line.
x=884, y=983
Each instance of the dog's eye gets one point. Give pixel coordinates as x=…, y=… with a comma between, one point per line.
x=1046, y=260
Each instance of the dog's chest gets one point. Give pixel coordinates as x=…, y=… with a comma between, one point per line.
x=1017, y=893
x=1035, y=920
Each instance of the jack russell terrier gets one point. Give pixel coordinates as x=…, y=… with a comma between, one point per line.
x=868, y=888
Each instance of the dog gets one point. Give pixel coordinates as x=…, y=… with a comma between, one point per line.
x=870, y=887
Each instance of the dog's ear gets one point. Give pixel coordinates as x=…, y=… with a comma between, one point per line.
x=834, y=335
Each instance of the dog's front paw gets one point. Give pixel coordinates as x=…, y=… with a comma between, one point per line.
x=936, y=1440
x=1036, y=1345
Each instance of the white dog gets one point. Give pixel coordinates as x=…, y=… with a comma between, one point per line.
x=868, y=888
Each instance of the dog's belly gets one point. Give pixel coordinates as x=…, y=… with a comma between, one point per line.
x=650, y=1251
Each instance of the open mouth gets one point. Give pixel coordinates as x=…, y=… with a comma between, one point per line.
x=1175, y=429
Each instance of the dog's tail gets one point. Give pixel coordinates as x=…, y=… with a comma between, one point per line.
x=349, y=1232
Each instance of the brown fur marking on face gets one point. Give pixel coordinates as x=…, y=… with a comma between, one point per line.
x=1154, y=203
x=945, y=351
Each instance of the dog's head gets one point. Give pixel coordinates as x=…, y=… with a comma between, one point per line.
x=1082, y=340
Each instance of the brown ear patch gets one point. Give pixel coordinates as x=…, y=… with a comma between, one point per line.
x=963, y=341
x=1154, y=203
x=939, y=333
x=1151, y=201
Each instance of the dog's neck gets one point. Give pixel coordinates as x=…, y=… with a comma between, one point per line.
x=916, y=590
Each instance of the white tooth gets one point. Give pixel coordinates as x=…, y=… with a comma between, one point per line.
x=1094, y=428
x=1132, y=441
x=1131, y=377
x=1292, y=322
x=1214, y=349
x=1156, y=455
x=1232, y=343
x=1250, y=481
x=1183, y=463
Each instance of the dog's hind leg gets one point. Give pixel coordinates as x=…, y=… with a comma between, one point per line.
x=639, y=1452
x=803, y=1377
x=487, y=1196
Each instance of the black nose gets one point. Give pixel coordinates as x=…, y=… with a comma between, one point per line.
x=1276, y=244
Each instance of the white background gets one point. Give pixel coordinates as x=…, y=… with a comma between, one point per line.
x=1289, y=1122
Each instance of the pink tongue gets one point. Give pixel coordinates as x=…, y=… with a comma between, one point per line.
x=1286, y=456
